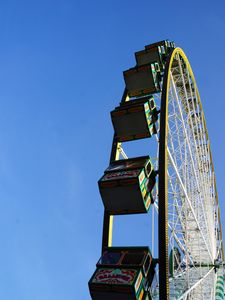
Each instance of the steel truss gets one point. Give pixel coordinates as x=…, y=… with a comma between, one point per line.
x=188, y=203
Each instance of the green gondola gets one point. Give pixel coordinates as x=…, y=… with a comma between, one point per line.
x=135, y=119
x=126, y=186
x=143, y=80
x=166, y=44
x=151, y=55
x=122, y=273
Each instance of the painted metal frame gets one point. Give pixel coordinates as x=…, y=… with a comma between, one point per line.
x=108, y=219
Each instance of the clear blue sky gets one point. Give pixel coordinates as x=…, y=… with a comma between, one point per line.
x=61, y=66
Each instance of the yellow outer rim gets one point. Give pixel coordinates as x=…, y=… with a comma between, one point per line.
x=163, y=164
x=181, y=52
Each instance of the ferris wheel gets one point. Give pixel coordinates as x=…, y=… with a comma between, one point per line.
x=177, y=183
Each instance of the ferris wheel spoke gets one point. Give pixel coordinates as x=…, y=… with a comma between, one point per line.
x=188, y=149
x=195, y=220
x=189, y=284
x=195, y=120
x=186, y=137
x=196, y=125
x=206, y=173
x=199, y=133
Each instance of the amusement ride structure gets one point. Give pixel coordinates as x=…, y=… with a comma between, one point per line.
x=161, y=102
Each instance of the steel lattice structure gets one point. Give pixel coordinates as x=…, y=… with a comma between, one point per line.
x=187, y=190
